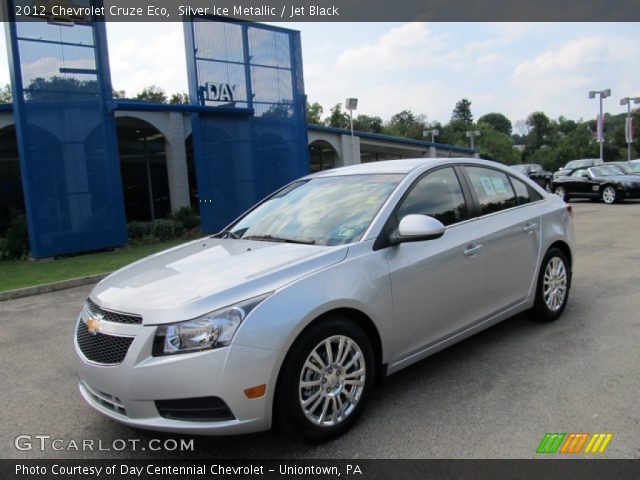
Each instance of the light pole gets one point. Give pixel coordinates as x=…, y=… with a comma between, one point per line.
x=628, y=130
x=472, y=134
x=600, y=123
x=433, y=132
x=351, y=104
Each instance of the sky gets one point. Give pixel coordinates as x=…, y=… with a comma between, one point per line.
x=511, y=68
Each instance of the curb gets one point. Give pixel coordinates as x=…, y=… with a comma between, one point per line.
x=51, y=287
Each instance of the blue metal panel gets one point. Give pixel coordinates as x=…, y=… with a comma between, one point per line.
x=240, y=160
x=66, y=135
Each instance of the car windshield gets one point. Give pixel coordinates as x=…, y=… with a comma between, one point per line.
x=578, y=164
x=320, y=211
x=631, y=167
x=521, y=168
x=605, y=171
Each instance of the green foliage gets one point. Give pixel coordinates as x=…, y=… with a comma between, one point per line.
x=179, y=98
x=58, y=88
x=166, y=229
x=366, y=123
x=152, y=94
x=15, y=244
x=5, y=94
x=498, y=121
x=539, y=130
x=495, y=145
x=187, y=217
x=314, y=113
x=138, y=230
x=407, y=124
x=462, y=111
x=338, y=118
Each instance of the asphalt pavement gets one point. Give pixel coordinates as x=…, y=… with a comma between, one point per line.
x=494, y=395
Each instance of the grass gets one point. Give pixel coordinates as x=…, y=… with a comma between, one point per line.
x=19, y=274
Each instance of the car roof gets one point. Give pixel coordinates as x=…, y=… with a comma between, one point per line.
x=402, y=166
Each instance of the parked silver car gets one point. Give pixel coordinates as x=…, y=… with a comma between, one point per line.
x=296, y=309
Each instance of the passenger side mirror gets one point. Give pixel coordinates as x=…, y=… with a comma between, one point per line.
x=416, y=228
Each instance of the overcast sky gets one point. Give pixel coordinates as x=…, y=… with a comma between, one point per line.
x=513, y=68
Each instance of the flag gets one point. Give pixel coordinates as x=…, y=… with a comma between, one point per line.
x=628, y=129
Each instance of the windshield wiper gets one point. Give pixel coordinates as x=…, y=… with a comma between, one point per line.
x=271, y=238
x=226, y=234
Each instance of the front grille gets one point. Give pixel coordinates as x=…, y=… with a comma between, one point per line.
x=102, y=348
x=94, y=310
x=200, y=409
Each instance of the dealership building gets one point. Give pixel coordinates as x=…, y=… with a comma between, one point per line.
x=81, y=164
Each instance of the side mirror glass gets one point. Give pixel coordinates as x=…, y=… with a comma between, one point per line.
x=416, y=228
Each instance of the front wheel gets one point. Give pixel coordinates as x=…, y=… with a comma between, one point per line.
x=609, y=195
x=325, y=381
x=554, y=282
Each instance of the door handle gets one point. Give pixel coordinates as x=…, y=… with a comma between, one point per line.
x=530, y=227
x=472, y=249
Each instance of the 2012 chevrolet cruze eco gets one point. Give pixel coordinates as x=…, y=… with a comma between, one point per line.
x=342, y=277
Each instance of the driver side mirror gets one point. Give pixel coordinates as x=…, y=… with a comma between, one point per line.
x=417, y=228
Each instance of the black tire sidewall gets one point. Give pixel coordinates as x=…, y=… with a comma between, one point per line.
x=288, y=410
x=541, y=312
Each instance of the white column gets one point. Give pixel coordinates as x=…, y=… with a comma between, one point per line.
x=177, y=162
x=350, y=149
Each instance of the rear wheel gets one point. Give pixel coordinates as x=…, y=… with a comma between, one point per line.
x=609, y=195
x=325, y=380
x=554, y=282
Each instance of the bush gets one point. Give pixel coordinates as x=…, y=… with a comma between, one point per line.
x=15, y=244
x=167, y=229
x=187, y=217
x=139, y=230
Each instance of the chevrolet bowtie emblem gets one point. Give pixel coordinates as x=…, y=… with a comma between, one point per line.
x=93, y=325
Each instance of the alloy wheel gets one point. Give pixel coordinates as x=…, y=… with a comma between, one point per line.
x=609, y=195
x=555, y=284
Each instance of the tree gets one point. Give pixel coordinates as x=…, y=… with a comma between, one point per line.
x=338, y=118
x=59, y=88
x=179, y=98
x=498, y=121
x=539, y=130
x=406, y=124
x=495, y=145
x=5, y=94
x=462, y=111
x=314, y=113
x=118, y=94
x=152, y=94
x=366, y=123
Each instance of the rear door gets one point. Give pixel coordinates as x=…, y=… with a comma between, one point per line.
x=509, y=231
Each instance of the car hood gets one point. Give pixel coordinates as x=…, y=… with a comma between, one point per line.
x=201, y=276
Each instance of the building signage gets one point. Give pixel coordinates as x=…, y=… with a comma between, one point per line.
x=219, y=92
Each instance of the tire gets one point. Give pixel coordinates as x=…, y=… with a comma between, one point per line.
x=555, y=274
x=609, y=195
x=561, y=192
x=329, y=405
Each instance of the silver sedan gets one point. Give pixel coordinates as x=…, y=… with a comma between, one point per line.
x=294, y=311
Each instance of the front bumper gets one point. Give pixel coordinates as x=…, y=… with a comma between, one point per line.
x=630, y=191
x=127, y=392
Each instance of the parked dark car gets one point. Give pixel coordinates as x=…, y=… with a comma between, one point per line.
x=573, y=164
x=536, y=173
x=630, y=168
x=605, y=182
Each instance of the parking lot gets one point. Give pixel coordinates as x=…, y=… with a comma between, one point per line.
x=492, y=396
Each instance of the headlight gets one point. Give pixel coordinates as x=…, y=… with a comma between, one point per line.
x=213, y=330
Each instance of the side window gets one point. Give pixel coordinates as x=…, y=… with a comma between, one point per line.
x=522, y=191
x=579, y=173
x=492, y=188
x=437, y=194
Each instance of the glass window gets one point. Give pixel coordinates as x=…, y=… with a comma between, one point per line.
x=580, y=173
x=492, y=188
x=324, y=210
x=522, y=191
x=437, y=194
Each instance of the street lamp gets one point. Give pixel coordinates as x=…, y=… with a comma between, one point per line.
x=472, y=134
x=433, y=132
x=351, y=104
x=628, y=130
x=600, y=128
